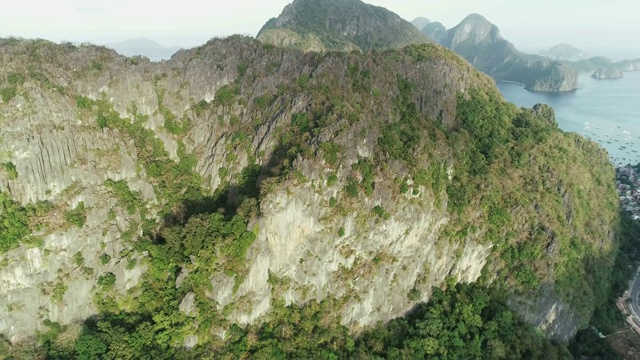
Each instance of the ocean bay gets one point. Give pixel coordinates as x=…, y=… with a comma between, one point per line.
x=606, y=111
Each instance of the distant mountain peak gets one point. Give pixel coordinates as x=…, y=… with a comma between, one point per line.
x=339, y=25
x=143, y=46
x=475, y=28
x=475, y=17
x=479, y=41
x=564, y=52
x=421, y=22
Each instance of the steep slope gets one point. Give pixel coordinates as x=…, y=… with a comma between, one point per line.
x=320, y=25
x=479, y=41
x=236, y=178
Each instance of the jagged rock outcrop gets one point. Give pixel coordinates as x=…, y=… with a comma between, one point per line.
x=319, y=25
x=363, y=177
x=479, y=41
x=608, y=73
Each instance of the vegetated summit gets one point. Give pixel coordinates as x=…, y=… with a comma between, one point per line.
x=479, y=41
x=168, y=203
x=321, y=25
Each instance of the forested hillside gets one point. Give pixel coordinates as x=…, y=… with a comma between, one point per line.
x=243, y=199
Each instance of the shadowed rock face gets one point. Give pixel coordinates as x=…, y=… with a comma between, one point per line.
x=84, y=117
x=547, y=313
x=339, y=25
x=479, y=41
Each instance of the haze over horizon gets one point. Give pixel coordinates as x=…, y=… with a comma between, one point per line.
x=532, y=25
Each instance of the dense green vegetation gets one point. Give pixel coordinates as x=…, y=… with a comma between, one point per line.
x=13, y=81
x=500, y=139
x=10, y=168
x=462, y=322
x=77, y=216
x=14, y=223
x=606, y=317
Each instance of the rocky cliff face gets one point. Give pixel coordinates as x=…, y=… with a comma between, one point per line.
x=352, y=199
x=561, y=78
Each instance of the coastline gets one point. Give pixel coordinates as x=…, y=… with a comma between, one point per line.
x=609, y=107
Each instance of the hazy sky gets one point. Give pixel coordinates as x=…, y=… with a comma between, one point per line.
x=592, y=25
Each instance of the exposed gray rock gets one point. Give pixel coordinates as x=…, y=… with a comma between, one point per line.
x=547, y=312
x=188, y=304
x=190, y=341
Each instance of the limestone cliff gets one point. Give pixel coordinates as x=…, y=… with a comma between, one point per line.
x=363, y=177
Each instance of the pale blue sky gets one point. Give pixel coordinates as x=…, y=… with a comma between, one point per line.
x=530, y=24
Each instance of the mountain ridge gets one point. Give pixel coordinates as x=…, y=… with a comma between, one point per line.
x=479, y=41
x=212, y=188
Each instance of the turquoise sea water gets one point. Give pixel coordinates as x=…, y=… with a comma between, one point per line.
x=606, y=111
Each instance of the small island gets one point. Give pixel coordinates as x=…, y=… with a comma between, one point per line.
x=607, y=73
